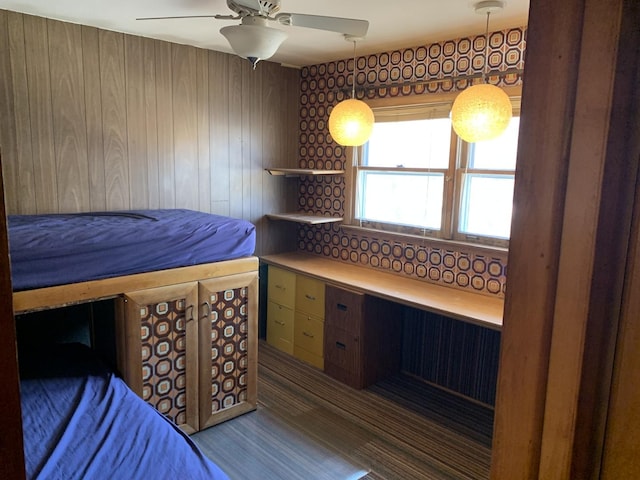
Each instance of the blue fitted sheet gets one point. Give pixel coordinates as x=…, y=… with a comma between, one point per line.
x=80, y=421
x=57, y=249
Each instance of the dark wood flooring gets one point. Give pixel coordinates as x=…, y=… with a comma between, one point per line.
x=309, y=426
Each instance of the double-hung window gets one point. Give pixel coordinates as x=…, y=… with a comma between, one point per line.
x=416, y=177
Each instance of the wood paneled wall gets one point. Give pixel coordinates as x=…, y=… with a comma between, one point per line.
x=95, y=120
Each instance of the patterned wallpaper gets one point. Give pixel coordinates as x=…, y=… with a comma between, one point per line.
x=421, y=70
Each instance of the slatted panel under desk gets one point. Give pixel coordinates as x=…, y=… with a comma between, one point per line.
x=455, y=355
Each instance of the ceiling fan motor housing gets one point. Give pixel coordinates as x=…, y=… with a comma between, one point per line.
x=254, y=7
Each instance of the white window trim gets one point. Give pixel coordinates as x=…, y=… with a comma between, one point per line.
x=450, y=214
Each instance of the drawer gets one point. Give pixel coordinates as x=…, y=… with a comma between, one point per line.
x=308, y=357
x=344, y=309
x=280, y=327
x=282, y=286
x=308, y=333
x=310, y=296
x=342, y=349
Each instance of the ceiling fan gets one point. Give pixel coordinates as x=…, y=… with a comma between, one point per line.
x=255, y=41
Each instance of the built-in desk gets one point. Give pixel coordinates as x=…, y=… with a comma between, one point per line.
x=468, y=307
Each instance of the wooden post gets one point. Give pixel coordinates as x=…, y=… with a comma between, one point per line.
x=575, y=186
x=11, y=447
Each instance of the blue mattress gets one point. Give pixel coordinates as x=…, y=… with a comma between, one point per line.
x=57, y=249
x=81, y=421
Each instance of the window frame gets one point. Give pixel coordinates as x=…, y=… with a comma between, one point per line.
x=452, y=193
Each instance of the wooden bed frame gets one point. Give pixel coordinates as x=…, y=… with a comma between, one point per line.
x=194, y=397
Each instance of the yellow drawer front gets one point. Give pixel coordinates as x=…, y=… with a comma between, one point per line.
x=308, y=357
x=310, y=296
x=280, y=327
x=282, y=286
x=308, y=333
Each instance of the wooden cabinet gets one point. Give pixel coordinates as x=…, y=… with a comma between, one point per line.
x=295, y=315
x=362, y=337
x=190, y=349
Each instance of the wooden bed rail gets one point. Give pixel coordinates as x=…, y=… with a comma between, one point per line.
x=59, y=296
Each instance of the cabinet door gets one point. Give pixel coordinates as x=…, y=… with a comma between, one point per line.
x=158, y=353
x=228, y=347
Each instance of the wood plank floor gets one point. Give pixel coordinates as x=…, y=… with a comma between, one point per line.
x=309, y=426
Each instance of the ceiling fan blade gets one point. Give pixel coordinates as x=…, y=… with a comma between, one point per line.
x=348, y=26
x=219, y=17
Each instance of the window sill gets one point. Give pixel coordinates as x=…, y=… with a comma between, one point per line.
x=424, y=240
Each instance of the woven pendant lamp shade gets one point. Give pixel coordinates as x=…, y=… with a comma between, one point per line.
x=481, y=112
x=351, y=123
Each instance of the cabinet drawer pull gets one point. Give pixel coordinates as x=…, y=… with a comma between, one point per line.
x=307, y=334
x=281, y=287
x=341, y=345
x=309, y=297
x=341, y=306
x=282, y=324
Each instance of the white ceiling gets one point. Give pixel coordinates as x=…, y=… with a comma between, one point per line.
x=393, y=23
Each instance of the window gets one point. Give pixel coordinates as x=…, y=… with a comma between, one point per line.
x=415, y=176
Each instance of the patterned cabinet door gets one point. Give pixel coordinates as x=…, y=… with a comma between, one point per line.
x=158, y=353
x=228, y=347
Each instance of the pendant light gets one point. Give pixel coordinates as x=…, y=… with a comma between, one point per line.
x=483, y=111
x=351, y=121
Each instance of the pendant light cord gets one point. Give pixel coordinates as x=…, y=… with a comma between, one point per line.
x=486, y=50
x=353, y=86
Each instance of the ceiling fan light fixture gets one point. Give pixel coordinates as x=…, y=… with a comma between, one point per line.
x=253, y=40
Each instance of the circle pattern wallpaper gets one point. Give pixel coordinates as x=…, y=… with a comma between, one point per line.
x=447, y=66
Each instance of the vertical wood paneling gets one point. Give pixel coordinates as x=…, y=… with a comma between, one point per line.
x=220, y=131
x=69, y=127
x=37, y=60
x=202, y=110
x=255, y=169
x=8, y=141
x=21, y=167
x=235, y=136
x=151, y=121
x=93, y=112
x=164, y=105
x=248, y=91
x=114, y=119
x=95, y=120
x=135, y=120
x=185, y=126
x=279, y=194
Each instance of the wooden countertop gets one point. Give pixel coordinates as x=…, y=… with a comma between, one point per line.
x=469, y=307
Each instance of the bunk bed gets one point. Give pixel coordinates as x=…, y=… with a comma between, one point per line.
x=185, y=294
x=81, y=421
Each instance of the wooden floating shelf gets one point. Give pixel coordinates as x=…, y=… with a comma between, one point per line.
x=297, y=172
x=303, y=218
